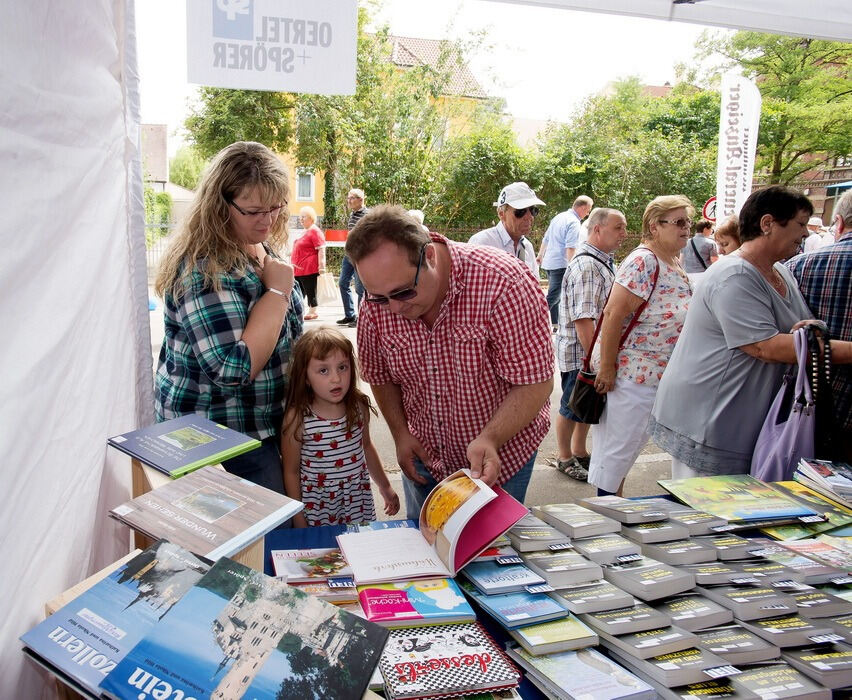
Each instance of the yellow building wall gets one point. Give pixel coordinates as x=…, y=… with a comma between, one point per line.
x=296, y=202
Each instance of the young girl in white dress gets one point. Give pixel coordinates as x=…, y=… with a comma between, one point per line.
x=325, y=441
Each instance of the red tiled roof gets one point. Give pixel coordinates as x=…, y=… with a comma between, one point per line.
x=408, y=52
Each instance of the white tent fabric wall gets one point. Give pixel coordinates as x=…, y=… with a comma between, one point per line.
x=73, y=303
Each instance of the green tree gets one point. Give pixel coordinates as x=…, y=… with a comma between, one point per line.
x=806, y=86
x=158, y=211
x=186, y=167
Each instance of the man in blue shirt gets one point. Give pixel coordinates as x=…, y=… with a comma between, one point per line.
x=558, y=246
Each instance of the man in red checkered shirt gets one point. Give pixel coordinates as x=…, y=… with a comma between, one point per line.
x=457, y=348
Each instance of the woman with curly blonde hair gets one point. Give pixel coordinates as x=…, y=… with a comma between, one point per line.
x=231, y=313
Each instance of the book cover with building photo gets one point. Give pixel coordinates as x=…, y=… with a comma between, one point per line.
x=251, y=636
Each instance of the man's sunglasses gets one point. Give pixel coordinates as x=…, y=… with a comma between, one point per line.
x=521, y=213
x=402, y=294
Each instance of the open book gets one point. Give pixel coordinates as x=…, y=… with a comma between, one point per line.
x=459, y=519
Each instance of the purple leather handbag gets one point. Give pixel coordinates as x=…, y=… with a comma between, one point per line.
x=787, y=434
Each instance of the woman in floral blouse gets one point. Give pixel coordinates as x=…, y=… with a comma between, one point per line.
x=640, y=325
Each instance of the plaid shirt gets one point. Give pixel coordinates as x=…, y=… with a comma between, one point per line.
x=492, y=333
x=585, y=287
x=204, y=365
x=825, y=279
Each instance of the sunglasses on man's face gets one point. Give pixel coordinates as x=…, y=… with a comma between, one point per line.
x=521, y=213
x=402, y=294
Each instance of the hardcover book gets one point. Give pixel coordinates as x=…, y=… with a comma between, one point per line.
x=680, y=552
x=460, y=518
x=530, y=534
x=805, y=569
x=581, y=674
x=737, y=645
x=565, y=634
x=678, y=668
x=516, y=609
x=562, y=568
x=181, y=445
x=309, y=565
x=780, y=682
x=624, y=510
x=209, y=512
x=649, y=580
x=635, y=618
x=736, y=497
x=828, y=664
x=594, y=596
x=606, y=549
x=751, y=603
x=446, y=660
x=86, y=638
x=238, y=633
x=694, y=612
x=788, y=630
x=415, y=603
x=491, y=577
x=576, y=521
x=644, y=645
x=661, y=531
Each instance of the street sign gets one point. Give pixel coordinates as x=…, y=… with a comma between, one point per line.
x=708, y=211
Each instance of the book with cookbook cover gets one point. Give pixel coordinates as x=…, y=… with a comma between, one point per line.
x=737, y=497
x=181, y=445
x=429, y=601
x=460, y=518
x=309, y=565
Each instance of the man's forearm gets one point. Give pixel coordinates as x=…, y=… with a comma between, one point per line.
x=516, y=411
x=389, y=399
x=585, y=328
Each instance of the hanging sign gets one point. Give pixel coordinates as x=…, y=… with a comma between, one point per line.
x=305, y=46
x=738, y=124
x=708, y=211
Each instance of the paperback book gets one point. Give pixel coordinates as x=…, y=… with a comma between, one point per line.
x=606, y=549
x=309, y=565
x=679, y=552
x=181, y=445
x=823, y=550
x=730, y=546
x=563, y=568
x=338, y=596
x=836, y=515
x=516, y=609
x=447, y=660
x=713, y=573
x=828, y=664
x=649, y=580
x=460, y=518
x=415, y=603
x=736, y=497
x=644, y=645
x=661, y=531
x=694, y=612
x=841, y=625
x=819, y=604
x=751, y=603
x=624, y=510
x=788, y=630
x=491, y=577
x=530, y=534
x=209, y=512
x=585, y=673
x=675, y=669
x=697, y=521
x=738, y=645
x=721, y=689
x=806, y=569
x=594, y=596
x=564, y=634
x=638, y=617
x=576, y=521
x=780, y=682
x=764, y=571
x=834, y=477
x=86, y=638
x=251, y=636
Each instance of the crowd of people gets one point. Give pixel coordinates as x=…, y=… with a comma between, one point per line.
x=689, y=336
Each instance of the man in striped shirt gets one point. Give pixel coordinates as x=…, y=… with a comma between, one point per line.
x=455, y=342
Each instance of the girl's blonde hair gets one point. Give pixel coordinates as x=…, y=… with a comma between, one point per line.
x=319, y=343
x=204, y=241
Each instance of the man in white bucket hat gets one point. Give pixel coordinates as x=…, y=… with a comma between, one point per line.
x=517, y=207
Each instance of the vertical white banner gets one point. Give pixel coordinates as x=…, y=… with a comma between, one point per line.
x=738, y=125
x=281, y=45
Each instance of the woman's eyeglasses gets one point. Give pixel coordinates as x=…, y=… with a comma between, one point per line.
x=275, y=211
x=402, y=294
x=521, y=213
x=680, y=223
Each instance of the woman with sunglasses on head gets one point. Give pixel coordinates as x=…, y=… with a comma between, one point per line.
x=231, y=312
x=728, y=364
x=639, y=327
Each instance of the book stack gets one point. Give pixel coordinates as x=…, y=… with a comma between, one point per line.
x=310, y=570
x=831, y=479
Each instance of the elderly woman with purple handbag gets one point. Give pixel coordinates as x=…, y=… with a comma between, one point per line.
x=730, y=360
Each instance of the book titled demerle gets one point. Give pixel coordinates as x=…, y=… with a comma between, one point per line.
x=634, y=618
x=788, y=630
x=648, y=579
x=694, y=612
x=209, y=512
x=447, y=660
x=828, y=664
x=661, y=531
x=562, y=568
x=183, y=444
x=678, y=668
x=644, y=645
x=239, y=633
x=606, y=549
x=460, y=518
x=86, y=638
x=780, y=682
x=576, y=521
x=593, y=596
x=679, y=552
x=415, y=603
x=697, y=521
x=625, y=510
x=530, y=534
x=751, y=603
x=737, y=645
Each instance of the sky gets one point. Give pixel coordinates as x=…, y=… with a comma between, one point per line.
x=542, y=61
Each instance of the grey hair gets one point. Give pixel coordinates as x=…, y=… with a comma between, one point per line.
x=583, y=201
x=844, y=209
x=599, y=217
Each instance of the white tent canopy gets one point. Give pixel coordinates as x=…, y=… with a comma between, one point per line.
x=823, y=19
x=76, y=355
